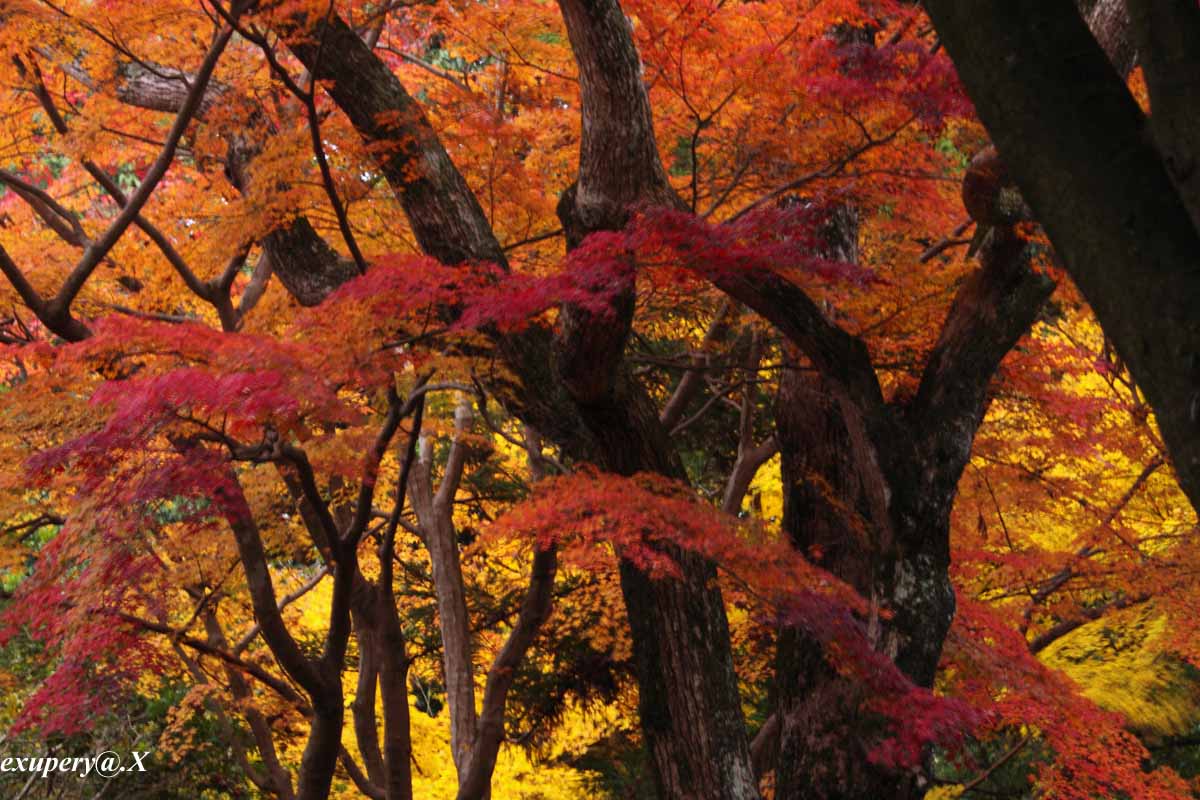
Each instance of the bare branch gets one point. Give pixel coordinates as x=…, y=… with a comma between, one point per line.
x=748, y=462
x=62, y=220
x=1089, y=614
x=282, y=688
x=452, y=474
x=366, y=492
x=692, y=381
x=262, y=590
x=99, y=248
x=249, y=636
x=534, y=611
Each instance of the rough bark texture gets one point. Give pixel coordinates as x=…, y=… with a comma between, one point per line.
x=305, y=263
x=1076, y=143
x=823, y=737
x=874, y=507
x=158, y=87
x=445, y=216
x=688, y=698
x=1168, y=37
x=1109, y=23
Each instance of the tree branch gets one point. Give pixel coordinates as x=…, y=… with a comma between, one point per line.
x=99, y=248
x=534, y=611
x=994, y=308
x=60, y=219
x=445, y=216
x=289, y=598
x=693, y=378
x=1074, y=139
x=840, y=356
x=282, y=688
x=1090, y=614
x=262, y=590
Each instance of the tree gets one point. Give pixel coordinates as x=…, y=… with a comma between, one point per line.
x=1119, y=205
x=440, y=446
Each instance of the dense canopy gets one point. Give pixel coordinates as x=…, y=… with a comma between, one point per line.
x=687, y=399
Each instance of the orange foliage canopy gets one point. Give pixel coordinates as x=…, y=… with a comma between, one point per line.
x=239, y=398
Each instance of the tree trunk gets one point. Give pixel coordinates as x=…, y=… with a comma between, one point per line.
x=690, y=708
x=1076, y=143
x=875, y=510
x=825, y=737
x=393, y=690
x=434, y=510
x=324, y=741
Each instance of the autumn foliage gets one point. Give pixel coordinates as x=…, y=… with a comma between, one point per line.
x=396, y=403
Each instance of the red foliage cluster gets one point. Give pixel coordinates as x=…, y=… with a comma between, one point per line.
x=648, y=520
x=903, y=73
x=989, y=664
x=71, y=607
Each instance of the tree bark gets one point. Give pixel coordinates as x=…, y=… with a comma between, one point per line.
x=446, y=218
x=1109, y=23
x=1168, y=37
x=302, y=260
x=895, y=552
x=366, y=725
x=689, y=705
x=824, y=738
x=694, y=725
x=321, y=683
x=434, y=512
x=1076, y=143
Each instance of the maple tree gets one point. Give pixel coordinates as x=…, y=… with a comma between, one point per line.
x=1147, y=205
x=533, y=400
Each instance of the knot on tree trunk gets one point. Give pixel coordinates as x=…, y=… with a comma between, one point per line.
x=990, y=196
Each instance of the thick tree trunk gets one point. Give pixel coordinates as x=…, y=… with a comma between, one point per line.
x=446, y=218
x=823, y=738
x=688, y=695
x=324, y=741
x=1076, y=143
x=1167, y=33
x=875, y=510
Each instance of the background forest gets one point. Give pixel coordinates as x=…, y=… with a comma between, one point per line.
x=528, y=399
